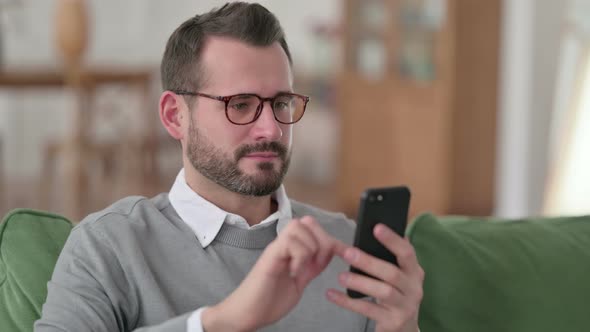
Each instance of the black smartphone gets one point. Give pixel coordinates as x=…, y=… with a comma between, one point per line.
x=387, y=206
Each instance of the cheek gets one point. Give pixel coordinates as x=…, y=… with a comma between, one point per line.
x=287, y=137
x=227, y=136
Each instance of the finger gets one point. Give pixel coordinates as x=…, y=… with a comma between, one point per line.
x=299, y=255
x=401, y=248
x=296, y=230
x=379, y=269
x=381, y=291
x=368, y=309
x=328, y=244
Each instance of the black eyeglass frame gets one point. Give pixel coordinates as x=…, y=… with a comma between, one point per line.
x=226, y=100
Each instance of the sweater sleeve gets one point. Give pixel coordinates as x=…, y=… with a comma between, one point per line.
x=89, y=291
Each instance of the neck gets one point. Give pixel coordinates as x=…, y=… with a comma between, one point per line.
x=252, y=208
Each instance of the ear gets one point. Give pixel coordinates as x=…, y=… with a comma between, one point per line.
x=172, y=114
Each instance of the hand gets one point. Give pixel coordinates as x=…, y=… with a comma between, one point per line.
x=277, y=281
x=398, y=292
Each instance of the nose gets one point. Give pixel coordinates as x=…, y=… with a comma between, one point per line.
x=266, y=126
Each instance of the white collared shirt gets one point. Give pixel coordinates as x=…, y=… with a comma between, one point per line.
x=206, y=219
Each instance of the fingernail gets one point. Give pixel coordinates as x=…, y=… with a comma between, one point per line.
x=331, y=294
x=350, y=254
x=306, y=220
x=343, y=277
x=379, y=229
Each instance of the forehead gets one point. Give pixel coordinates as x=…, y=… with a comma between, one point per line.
x=232, y=66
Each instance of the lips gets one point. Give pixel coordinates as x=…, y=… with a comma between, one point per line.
x=262, y=155
x=263, y=151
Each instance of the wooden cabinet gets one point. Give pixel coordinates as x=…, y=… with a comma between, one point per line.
x=418, y=102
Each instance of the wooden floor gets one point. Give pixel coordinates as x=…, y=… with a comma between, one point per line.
x=24, y=193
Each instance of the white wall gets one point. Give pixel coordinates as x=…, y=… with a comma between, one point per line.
x=135, y=31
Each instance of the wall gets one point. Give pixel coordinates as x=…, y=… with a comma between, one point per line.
x=125, y=33
x=137, y=29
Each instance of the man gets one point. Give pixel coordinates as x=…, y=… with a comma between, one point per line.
x=225, y=249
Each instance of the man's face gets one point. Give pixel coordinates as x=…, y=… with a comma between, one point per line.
x=248, y=159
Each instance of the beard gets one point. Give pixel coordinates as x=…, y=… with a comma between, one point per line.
x=224, y=170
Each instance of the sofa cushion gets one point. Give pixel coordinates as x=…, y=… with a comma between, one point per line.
x=499, y=275
x=30, y=242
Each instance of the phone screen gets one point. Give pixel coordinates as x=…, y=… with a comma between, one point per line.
x=387, y=206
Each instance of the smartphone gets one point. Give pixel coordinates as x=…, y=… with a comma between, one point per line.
x=387, y=206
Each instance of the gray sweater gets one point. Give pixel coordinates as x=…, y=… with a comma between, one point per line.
x=137, y=266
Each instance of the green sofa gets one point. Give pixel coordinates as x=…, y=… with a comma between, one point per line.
x=30, y=242
x=481, y=274
x=485, y=275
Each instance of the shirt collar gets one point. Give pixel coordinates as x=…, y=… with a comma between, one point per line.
x=206, y=219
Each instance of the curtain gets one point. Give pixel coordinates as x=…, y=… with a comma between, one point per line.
x=568, y=183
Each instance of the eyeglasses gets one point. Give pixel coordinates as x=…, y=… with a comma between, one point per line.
x=245, y=108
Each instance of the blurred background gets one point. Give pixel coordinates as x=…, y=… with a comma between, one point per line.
x=481, y=107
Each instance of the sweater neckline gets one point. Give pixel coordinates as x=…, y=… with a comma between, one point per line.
x=257, y=238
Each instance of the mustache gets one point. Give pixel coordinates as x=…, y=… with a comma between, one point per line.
x=276, y=147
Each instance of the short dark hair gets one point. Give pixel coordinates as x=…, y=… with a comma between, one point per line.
x=251, y=23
